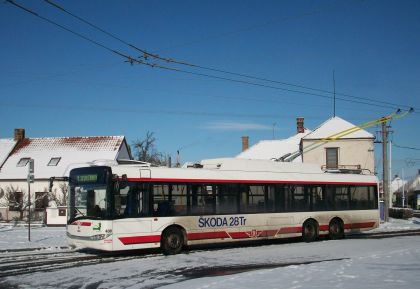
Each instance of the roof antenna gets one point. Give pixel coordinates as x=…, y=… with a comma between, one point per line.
x=334, y=89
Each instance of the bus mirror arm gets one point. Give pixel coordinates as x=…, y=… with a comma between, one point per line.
x=52, y=179
x=123, y=183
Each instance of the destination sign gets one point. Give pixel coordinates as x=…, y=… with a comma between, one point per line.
x=91, y=178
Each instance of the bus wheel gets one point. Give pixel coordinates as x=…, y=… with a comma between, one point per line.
x=172, y=241
x=336, y=229
x=310, y=231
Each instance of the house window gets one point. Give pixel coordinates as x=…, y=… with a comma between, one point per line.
x=41, y=201
x=62, y=212
x=16, y=201
x=332, y=158
x=54, y=161
x=22, y=162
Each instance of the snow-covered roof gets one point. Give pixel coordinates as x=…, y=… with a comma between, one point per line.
x=55, y=156
x=397, y=184
x=269, y=149
x=335, y=125
x=6, y=146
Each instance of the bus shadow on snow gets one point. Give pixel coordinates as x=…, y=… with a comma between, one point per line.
x=196, y=248
x=200, y=272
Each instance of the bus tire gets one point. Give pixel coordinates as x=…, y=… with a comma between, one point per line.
x=336, y=229
x=310, y=231
x=172, y=241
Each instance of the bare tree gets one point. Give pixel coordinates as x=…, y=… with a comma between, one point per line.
x=59, y=196
x=15, y=199
x=145, y=150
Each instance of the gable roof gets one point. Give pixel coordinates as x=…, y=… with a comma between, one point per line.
x=70, y=150
x=6, y=147
x=269, y=149
x=335, y=125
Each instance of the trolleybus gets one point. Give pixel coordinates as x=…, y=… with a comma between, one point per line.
x=117, y=206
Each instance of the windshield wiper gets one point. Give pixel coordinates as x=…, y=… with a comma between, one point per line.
x=83, y=215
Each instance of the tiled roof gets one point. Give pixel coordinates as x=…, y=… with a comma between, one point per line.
x=95, y=143
x=70, y=150
x=6, y=146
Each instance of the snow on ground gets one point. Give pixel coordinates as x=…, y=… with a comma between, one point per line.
x=387, y=263
x=398, y=225
x=16, y=237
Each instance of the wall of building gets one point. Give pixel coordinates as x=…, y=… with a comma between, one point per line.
x=22, y=186
x=351, y=152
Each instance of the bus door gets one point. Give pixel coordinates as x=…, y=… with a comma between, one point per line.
x=132, y=215
x=202, y=205
x=276, y=207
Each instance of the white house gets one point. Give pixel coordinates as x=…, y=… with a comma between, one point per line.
x=353, y=151
x=53, y=157
x=409, y=189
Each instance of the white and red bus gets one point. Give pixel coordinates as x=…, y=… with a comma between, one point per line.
x=135, y=206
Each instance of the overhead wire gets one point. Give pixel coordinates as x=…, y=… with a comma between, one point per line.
x=132, y=60
x=166, y=112
x=171, y=60
x=405, y=147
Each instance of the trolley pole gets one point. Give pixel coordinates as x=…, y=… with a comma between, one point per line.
x=385, y=165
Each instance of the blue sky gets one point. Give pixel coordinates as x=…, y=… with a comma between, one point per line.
x=54, y=83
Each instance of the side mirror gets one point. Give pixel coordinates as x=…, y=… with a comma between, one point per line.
x=123, y=182
x=120, y=184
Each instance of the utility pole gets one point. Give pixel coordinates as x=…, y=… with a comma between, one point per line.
x=274, y=124
x=403, y=188
x=30, y=179
x=385, y=166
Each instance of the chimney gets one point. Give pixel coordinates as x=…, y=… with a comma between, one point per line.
x=245, y=143
x=19, y=134
x=299, y=125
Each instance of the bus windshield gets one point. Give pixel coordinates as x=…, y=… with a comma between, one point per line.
x=89, y=191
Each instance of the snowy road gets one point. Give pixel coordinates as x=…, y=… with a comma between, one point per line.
x=351, y=263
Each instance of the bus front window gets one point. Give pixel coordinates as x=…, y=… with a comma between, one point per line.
x=90, y=201
x=89, y=196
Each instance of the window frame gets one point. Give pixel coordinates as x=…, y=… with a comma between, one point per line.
x=41, y=202
x=23, y=162
x=327, y=159
x=18, y=201
x=51, y=162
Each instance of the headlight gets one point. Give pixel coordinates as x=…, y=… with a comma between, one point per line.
x=99, y=237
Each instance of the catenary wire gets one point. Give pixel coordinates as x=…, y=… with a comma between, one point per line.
x=156, y=56
x=155, y=65
x=405, y=147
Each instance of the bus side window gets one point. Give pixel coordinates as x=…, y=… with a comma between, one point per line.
x=136, y=201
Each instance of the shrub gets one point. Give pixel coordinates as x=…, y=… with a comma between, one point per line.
x=401, y=213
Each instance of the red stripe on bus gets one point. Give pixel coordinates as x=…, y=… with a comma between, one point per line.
x=249, y=181
x=290, y=230
x=242, y=235
x=324, y=228
x=84, y=224
x=236, y=235
x=140, y=239
x=269, y=233
x=359, y=225
x=207, y=235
